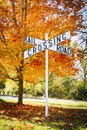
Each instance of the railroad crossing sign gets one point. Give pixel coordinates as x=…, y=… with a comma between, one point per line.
x=52, y=44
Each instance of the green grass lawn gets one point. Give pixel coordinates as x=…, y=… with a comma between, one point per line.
x=9, y=123
x=31, y=116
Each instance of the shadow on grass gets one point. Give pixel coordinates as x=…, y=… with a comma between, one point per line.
x=2, y=100
x=59, y=118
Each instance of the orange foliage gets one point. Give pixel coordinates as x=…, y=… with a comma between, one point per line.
x=35, y=18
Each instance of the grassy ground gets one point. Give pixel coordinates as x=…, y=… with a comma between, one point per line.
x=31, y=117
x=7, y=123
x=15, y=124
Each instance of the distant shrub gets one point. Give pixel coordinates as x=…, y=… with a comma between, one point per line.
x=2, y=85
x=81, y=93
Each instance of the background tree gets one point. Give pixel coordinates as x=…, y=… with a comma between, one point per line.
x=2, y=86
x=19, y=18
x=82, y=50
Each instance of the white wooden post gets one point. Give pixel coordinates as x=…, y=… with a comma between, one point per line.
x=46, y=91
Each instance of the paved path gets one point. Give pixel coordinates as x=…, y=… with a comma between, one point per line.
x=51, y=100
x=24, y=99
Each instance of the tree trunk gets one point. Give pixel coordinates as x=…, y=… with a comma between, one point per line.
x=85, y=66
x=20, y=90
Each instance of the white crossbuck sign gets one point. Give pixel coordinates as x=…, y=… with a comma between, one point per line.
x=52, y=44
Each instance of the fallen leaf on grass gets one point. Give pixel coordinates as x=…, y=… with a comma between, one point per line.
x=39, y=123
x=49, y=127
x=11, y=128
x=20, y=128
x=28, y=126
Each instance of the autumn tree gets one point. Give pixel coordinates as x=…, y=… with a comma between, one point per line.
x=82, y=50
x=20, y=18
